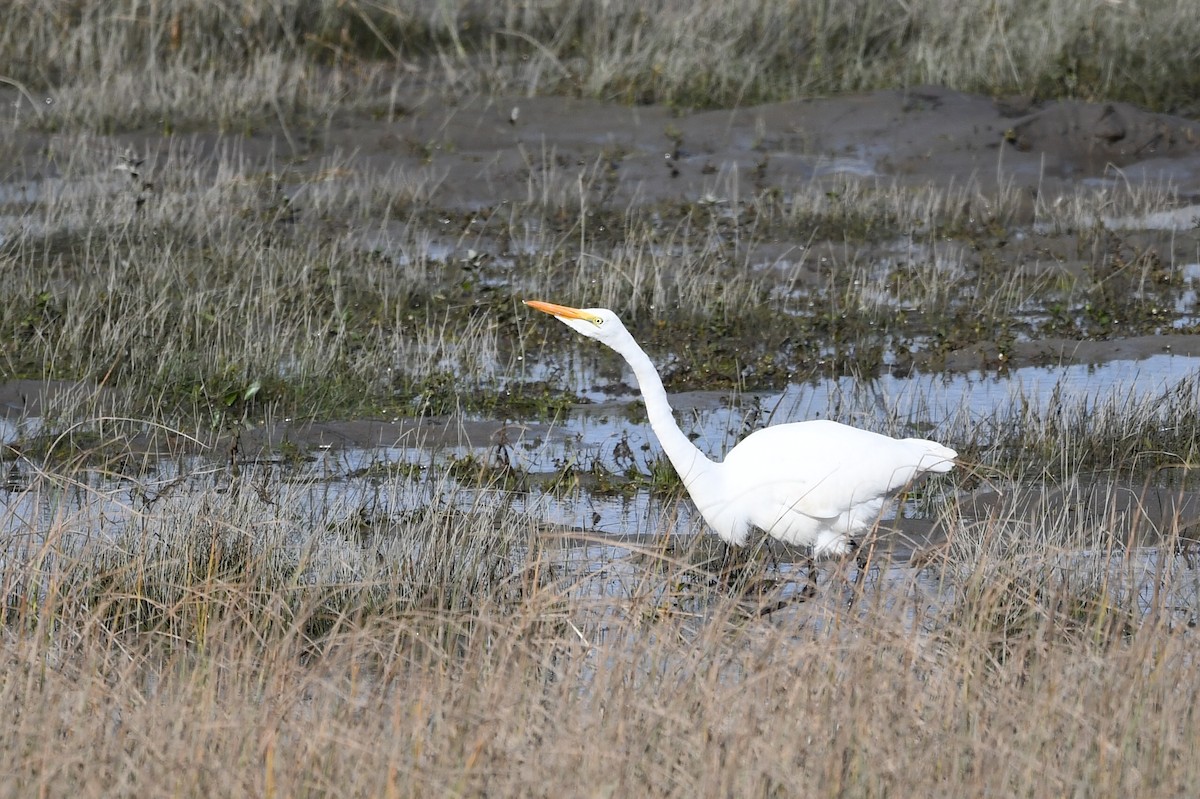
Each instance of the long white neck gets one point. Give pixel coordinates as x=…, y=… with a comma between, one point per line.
x=688, y=460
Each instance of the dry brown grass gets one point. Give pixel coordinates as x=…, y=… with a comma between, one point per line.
x=160, y=659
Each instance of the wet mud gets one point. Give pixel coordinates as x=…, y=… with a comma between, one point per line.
x=482, y=151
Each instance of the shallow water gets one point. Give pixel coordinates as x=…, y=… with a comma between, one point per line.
x=611, y=434
x=923, y=404
x=320, y=500
x=605, y=535
x=611, y=429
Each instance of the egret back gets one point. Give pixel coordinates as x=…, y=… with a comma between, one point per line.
x=814, y=483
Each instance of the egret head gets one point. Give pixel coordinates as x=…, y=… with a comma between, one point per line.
x=598, y=323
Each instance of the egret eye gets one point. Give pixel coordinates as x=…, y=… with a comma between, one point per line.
x=598, y=320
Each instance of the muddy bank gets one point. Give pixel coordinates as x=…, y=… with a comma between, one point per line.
x=26, y=402
x=1059, y=351
x=490, y=151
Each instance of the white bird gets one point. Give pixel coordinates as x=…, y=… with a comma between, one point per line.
x=815, y=484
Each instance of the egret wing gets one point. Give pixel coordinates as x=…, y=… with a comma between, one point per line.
x=823, y=469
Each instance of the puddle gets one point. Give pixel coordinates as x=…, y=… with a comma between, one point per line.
x=1185, y=218
x=610, y=435
x=926, y=403
x=604, y=539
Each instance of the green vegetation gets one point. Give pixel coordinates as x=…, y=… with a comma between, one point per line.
x=176, y=279
x=225, y=298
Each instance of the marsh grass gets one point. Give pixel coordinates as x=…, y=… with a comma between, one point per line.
x=139, y=547
x=168, y=65
x=1121, y=434
x=244, y=640
x=192, y=282
x=191, y=285
x=242, y=626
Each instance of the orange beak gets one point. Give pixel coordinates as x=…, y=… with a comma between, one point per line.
x=561, y=311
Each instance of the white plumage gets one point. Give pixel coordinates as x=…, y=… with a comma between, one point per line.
x=816, y=484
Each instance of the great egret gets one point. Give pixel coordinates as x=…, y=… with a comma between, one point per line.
x=815, y=484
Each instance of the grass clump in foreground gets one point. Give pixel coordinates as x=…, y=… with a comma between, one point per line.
x=245, y=643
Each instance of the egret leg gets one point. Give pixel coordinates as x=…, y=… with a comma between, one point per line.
x=807, y=592
x=862, y=561
x=733, y=563
x=741, y=571
x=810, y=587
